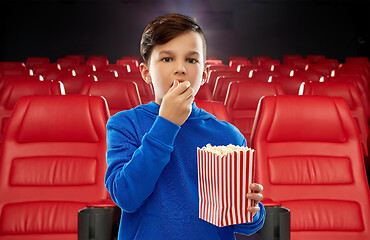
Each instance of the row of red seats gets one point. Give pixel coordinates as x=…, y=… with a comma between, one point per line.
x=73, y=84
x=68, y=62
x=241, y=100
x=309, y=160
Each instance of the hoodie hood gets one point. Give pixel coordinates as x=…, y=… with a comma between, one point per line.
x=196, y=113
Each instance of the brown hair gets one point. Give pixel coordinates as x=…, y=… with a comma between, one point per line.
x=165, y=28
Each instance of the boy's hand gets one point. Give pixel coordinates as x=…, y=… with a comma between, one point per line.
x=256, y=196
x=176, y=104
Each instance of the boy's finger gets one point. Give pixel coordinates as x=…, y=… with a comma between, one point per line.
x=254, y=209
x=256, y=187
x=174, y=85
x=255, y=196
x=182, y=87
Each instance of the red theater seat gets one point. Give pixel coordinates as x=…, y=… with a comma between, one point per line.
x=299, y=64
x=215, y=108
x=263, y=76
x=288, y=58
x=324, y=69
x=352, y=96
x=67, y=64
x=248, y=70
x=256, y=60
x=235, y=63
x=242, y=100
x=54, y=75
x=14, y=71
x=32, y=61
x=364, y=92
x=120, y=95
x=119, y=70
x=82, y=70
x=269, y=65
x=39, y=69
x=214, y=74
x=104, y=75
x=146, y=91
x=73, y=84
x=132, y=63
x=14, y=90
x=332, y=62
x=217, y=68
x=309, y=158
x=222, y=84
x=12, y=65
x=8, y=78
x=204, y=93
x=80, y=58
x=213, y=62
x=311, y=75
x=313, y=59
x=290, y=85
x=285, y=70
x=52, y=164
x=98, y=63
x=136, y=58
x=357, y=66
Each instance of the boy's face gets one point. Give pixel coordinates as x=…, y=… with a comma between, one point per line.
x=179, y=59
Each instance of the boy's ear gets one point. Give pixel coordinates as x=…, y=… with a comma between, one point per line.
x=204, y=76
x=144, y=70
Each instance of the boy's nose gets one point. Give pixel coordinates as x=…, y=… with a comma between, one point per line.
x=180, y=68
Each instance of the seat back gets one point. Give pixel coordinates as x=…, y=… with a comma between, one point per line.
x=287, y=58
x=351, y=95
x=67, y=64
x=289, y=84
x=204, y=93
x=311, y=75
x=73, y=84
x=309, y=158
x=31, y=61
x=98, y=63
x=80, y=58
x=146, y=91
x=242, y=100
x=52, y=164
x=14, y=90
x=215, y=108
x=214, y=74
x=256, y=60
x=222, y=84
x=120, y=95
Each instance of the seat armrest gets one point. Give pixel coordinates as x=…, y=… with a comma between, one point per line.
x=102, y=203
x=268, y=202
x=99, y=220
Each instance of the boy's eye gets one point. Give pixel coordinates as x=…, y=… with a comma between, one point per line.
x=166, y=59
x=192, y=60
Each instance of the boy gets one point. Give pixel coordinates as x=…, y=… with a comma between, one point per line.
x=152, y=149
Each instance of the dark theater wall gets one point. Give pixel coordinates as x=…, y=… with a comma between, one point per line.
x=55, y=28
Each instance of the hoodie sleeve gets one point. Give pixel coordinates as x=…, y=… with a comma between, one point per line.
x=133, y=169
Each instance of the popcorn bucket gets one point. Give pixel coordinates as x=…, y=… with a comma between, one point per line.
x=223, y=183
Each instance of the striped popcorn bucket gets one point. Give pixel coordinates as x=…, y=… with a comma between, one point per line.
x=223, y=183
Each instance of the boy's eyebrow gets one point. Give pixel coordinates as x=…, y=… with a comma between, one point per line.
x=171, y=52
x=165, y=52
x=193, y=53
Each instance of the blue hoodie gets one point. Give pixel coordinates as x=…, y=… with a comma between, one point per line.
x=152, y=174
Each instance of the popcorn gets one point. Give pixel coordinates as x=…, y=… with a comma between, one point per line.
x=224, y=176
x=223, y=150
